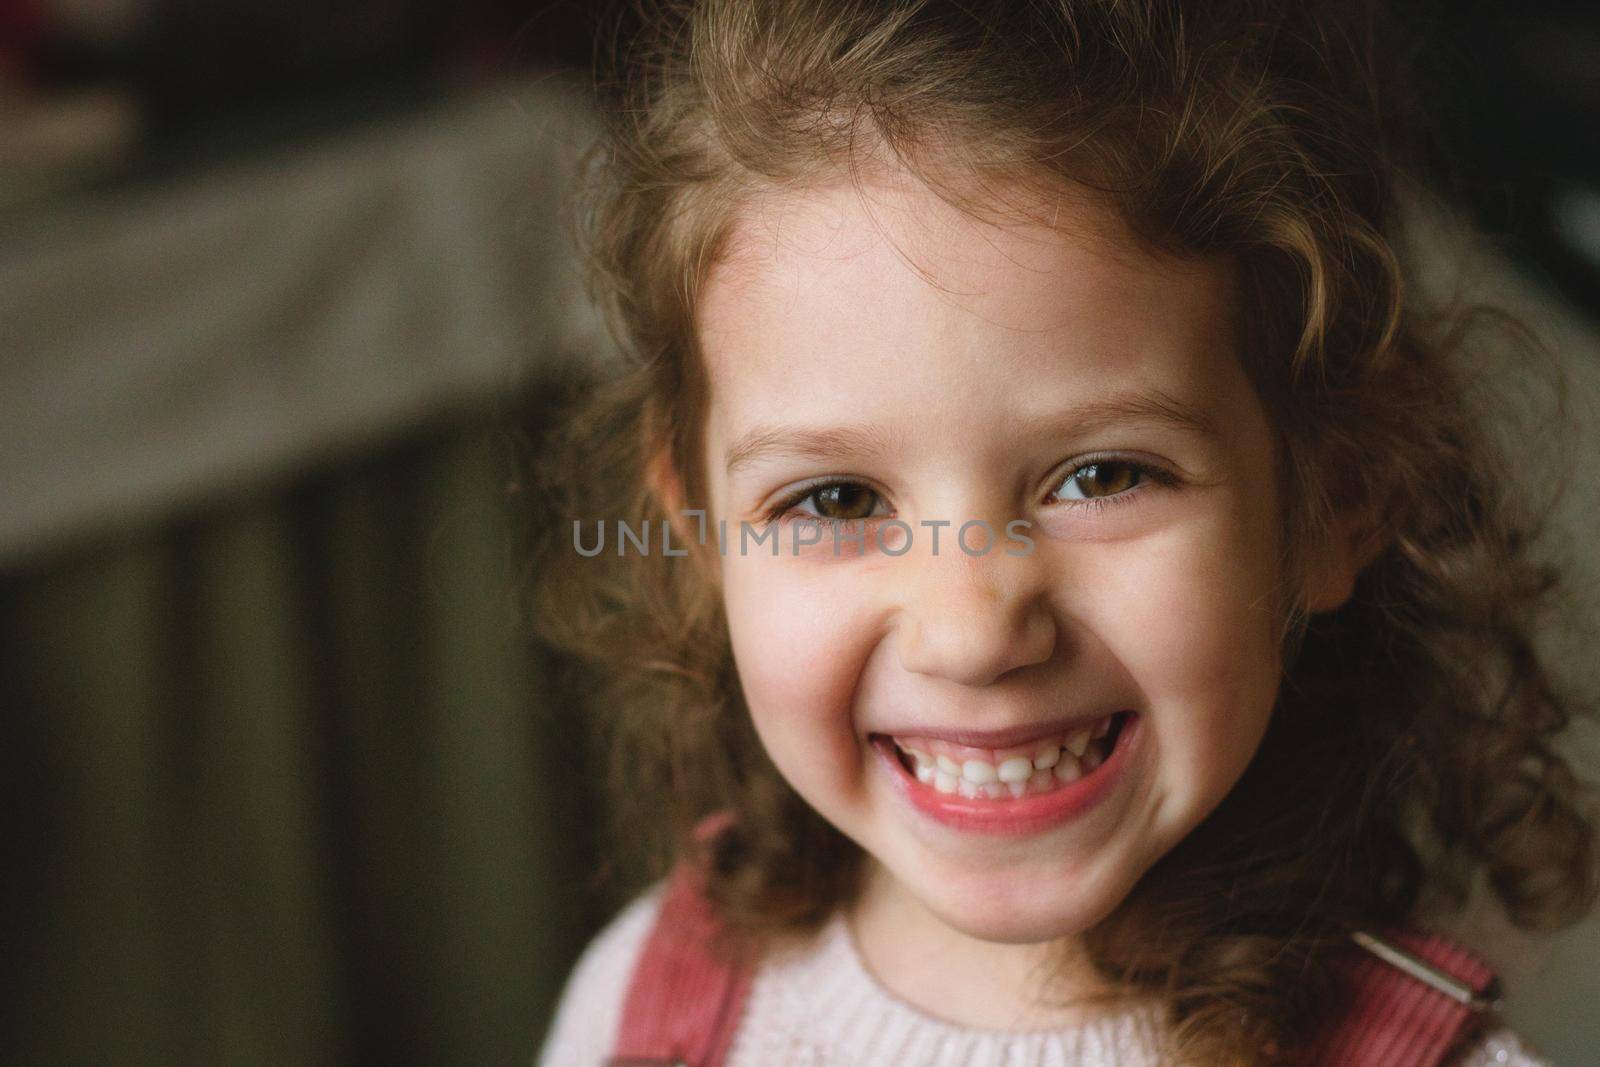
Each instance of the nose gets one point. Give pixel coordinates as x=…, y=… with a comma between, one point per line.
x=974, y=619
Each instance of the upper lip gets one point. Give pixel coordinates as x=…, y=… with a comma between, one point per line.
x=1007, y=737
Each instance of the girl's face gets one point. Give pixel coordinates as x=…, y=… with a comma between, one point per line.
x=875, y=353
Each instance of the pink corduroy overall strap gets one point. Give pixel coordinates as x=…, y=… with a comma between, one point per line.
x=683, y=1002
x=1390, y=1016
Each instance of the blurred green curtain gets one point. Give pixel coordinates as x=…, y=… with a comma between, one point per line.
x=284, y=785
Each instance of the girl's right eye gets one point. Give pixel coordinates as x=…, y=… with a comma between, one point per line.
x=831, y=502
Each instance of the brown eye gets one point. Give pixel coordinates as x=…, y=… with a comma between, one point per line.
x=844, y=501
x=1102, y=479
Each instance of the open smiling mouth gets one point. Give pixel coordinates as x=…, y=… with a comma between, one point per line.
x=1017, y=789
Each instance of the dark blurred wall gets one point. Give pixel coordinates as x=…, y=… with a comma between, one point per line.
x=282, y=785
x=1516, y=96
x=283, y=781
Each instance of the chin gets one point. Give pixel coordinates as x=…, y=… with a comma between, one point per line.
x=1023, y=917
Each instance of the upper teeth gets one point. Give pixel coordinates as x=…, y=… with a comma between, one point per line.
x=946, y=766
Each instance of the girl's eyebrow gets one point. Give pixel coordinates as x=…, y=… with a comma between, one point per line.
x=780, y=442
x=1151, y=406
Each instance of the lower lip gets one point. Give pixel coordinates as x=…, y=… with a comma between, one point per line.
x=1019, y=815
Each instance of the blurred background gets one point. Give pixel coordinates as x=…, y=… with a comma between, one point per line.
x=286, y=298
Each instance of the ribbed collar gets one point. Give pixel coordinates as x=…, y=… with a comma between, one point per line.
x=820, y=1005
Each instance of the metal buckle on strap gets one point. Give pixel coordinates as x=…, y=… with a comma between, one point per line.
x=1428, y=974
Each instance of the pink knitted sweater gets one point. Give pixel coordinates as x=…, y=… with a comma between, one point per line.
x=819, y=1006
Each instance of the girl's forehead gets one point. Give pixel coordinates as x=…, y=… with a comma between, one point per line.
x=890, y=274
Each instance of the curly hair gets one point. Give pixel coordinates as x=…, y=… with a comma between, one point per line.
x=1411, y=750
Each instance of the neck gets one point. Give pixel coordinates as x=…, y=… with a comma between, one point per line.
x=966, y=980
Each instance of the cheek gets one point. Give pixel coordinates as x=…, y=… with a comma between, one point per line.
x=799, y=642
x=1191, y=618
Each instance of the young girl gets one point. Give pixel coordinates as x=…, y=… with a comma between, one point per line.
x=1063, y=604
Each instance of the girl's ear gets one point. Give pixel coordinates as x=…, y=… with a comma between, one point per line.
x=661, y=481
x=1354, y=540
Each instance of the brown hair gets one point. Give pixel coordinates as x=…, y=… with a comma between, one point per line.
x=1411, y=748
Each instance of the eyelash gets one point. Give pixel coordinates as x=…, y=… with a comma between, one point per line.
x=1146, y=472
x=781, y=509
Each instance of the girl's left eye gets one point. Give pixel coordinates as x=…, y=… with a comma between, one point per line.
x=1104, y=481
